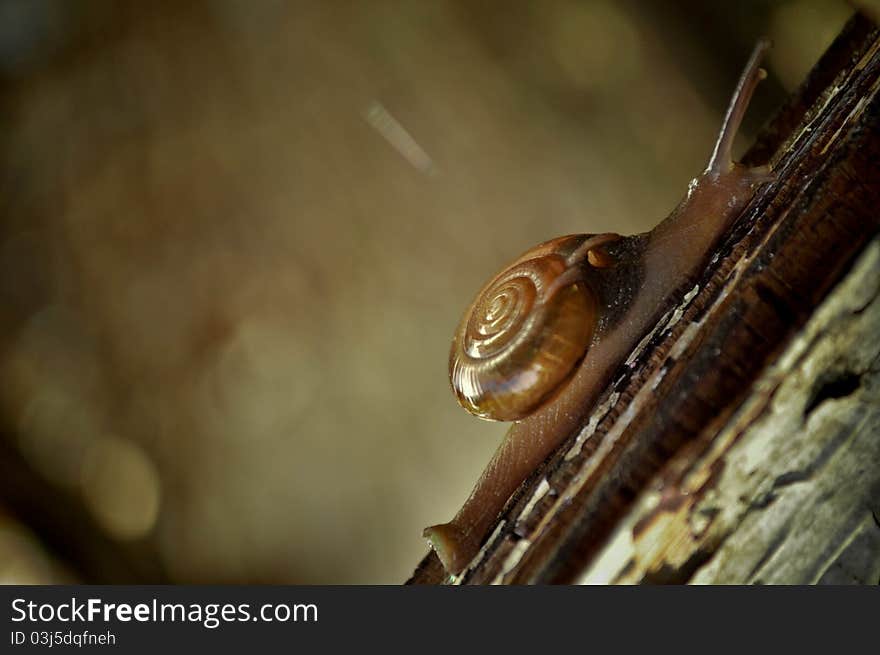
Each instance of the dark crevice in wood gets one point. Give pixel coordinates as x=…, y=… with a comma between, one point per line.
x=837, y=385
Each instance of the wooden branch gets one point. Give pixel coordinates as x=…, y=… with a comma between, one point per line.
x=740, y=441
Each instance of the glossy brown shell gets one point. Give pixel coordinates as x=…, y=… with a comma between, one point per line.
x=514, y=348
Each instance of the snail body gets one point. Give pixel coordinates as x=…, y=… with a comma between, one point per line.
x=541, y=340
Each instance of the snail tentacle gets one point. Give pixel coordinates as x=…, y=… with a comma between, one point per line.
x=721, y=160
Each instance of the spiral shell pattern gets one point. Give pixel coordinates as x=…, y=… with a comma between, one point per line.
x=515, y=347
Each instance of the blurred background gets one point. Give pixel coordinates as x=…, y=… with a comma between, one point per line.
x=236, y=238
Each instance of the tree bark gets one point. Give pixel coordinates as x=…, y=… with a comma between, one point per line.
x=740, y=442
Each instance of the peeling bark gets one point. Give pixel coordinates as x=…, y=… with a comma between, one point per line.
x=789, y=491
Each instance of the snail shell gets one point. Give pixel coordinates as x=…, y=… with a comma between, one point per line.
x=528, y=329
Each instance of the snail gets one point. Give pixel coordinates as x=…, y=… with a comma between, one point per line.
x=542, y=339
